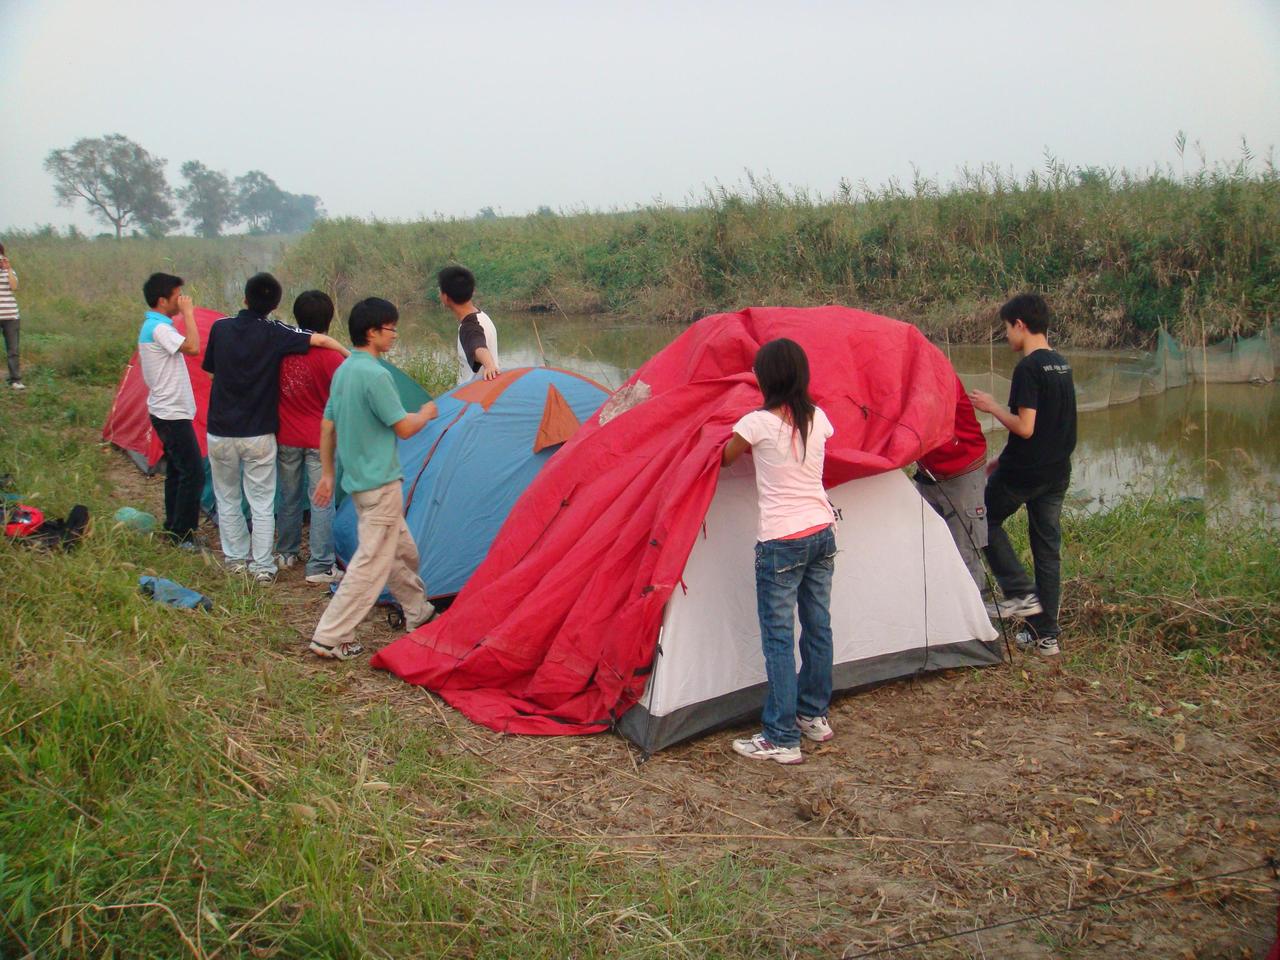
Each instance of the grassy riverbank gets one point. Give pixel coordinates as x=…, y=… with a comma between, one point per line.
x=192, y=784
x=1117, y=255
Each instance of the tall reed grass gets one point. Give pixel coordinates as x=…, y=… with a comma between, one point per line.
x=1117, y=253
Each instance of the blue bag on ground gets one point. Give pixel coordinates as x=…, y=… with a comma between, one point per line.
x=174, y=594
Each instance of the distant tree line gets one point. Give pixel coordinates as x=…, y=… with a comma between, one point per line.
x=124, y=186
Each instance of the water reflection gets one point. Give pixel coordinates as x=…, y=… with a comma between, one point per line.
x=1223, y=448
x=601, y=347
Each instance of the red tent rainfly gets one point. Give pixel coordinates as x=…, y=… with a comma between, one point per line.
x=556, y=630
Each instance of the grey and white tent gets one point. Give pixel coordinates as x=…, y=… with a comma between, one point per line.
x=902, y=603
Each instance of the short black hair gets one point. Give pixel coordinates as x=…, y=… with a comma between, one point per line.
x=1030, y=308
x=262, y=293
x=370, y=314
x=159, y=286
x=313, y=310
x=458, y=283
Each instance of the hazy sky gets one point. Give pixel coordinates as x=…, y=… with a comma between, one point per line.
x=404, y=109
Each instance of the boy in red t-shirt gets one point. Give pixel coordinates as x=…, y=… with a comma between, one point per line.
x=304, y=390
x=952, y=481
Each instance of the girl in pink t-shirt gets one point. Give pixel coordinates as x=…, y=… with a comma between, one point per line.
x=795, y=552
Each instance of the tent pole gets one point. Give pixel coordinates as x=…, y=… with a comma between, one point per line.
x=1204, y=376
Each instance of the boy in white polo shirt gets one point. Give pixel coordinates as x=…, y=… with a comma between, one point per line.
x=170, y=401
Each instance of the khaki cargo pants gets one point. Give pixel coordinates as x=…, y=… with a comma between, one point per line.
x=386, y=556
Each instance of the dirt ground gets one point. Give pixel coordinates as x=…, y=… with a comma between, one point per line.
x=946, y=803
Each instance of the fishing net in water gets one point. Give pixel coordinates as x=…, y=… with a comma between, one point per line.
x=1171, y=364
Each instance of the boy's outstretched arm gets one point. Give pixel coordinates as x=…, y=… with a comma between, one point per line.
x=328, y=343
x=413, y=422
x=1022, y=424
x=487, y=366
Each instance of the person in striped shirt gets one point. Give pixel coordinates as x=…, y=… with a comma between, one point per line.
x=9, y=320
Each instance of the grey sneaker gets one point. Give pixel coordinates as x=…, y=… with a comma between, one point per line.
x=286, y=560
x=1028, y=642
x=816, y=729
x=1014, y=608
x=332, y=575
x=265, y=576
x=758, y=748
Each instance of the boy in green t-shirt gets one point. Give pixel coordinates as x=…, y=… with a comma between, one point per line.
x=362, y=420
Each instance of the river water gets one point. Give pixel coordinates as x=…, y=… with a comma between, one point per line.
x=1221, y=450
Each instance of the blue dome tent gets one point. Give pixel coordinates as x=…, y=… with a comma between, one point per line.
x=465, y=470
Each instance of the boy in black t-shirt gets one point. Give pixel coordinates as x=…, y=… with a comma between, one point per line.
x=1034, y=469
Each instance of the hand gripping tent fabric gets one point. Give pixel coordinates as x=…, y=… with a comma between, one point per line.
x=466, y=468
x=620, y=591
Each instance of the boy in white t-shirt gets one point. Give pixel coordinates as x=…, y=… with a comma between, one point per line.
x=795, y=552
x=170, y=400
x=477, y=336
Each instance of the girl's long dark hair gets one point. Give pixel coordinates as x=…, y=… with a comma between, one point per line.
x=782, y=370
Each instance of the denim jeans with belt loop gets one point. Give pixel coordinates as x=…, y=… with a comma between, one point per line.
x=795, y=575
x=296, y=492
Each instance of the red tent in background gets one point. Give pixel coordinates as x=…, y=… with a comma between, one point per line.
x=556, y=630
x=128, y=425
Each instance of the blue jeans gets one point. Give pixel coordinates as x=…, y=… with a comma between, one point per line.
x=294, y=499
x=791, y=574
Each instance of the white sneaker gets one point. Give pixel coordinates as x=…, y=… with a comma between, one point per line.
x=286, y=560
x=17, y=385
x=817, y=729
x=1028, y=642
x=758, y=748
x=1014, y=608
x=343, y=651
x=332, y=575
